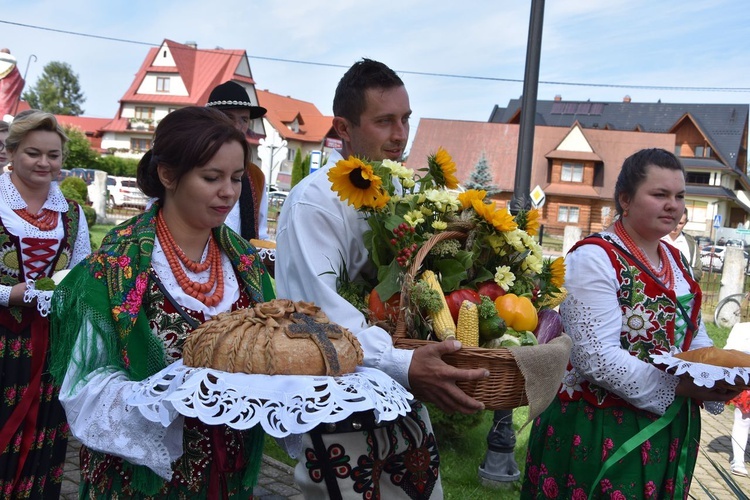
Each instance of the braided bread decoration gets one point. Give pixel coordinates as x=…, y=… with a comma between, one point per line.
x=279, y=337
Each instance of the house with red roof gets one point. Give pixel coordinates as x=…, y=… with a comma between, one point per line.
x=172, y=76
x=291, y=125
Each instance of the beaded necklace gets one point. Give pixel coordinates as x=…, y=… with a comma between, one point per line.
x=177, y=258
x=664, y=273
x=46, y=220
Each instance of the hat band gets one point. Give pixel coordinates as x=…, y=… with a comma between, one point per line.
x=230, y=103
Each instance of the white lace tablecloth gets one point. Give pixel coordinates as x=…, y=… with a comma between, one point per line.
x=282, y=404
x=703, y=375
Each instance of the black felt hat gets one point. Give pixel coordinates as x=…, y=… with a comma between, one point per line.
x=230, y=95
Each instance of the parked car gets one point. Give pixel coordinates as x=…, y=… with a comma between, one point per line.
x=712, y=258
x=277, y=198
x=702, y=241
x=124, y=191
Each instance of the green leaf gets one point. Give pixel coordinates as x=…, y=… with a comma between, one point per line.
x=452, y=274
x=389, y=281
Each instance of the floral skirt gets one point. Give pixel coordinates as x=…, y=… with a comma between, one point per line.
x=570, y=442
x=742, y=401
x=31, y=464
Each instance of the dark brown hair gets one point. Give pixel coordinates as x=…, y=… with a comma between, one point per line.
x=349, y=100
x=635, y=169
x=185, y=139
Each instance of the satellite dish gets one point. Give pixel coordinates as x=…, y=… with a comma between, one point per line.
x=7, y=63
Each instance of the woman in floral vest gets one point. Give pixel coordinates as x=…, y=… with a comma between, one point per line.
x=40, y=232
x=622, y=427
x=124, y=313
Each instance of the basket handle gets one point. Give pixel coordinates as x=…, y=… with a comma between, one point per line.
x=411, y=273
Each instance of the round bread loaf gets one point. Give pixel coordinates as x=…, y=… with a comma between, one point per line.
x=279, y=337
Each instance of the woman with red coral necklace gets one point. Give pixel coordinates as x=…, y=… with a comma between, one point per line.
x=621, y=427
x=40, y=232
x=124, y=314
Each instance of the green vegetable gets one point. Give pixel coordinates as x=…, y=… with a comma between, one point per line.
x=527, y=338
x=491, y=328
x=44, y=284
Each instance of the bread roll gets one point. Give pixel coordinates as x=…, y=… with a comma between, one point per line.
x=279, y=337
x=728, y=358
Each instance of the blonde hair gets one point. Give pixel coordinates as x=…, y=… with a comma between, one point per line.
x=30, y=122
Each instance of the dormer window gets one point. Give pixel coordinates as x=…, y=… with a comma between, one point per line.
x=571, y=172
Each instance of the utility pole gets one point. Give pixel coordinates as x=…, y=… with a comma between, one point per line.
x=525, y=156
x=499, y=466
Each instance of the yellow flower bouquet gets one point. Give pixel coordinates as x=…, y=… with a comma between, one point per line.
x=405, y=209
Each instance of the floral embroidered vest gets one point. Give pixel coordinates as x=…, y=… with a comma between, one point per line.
x=11, y=259
x=648, y=316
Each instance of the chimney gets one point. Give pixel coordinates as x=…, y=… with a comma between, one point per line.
x=558, y=97
x=626, y=98
x=191, y=44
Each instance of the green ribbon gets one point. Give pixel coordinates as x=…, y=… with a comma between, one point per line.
x=647, y=433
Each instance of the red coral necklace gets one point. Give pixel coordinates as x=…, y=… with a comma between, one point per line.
x=46, y=220
x=665, y=274
x=175, y=256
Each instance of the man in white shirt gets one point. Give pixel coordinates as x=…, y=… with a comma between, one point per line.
x=686, y=245
x=318, y=233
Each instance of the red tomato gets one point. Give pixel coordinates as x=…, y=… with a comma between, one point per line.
x=381, y=311
x=491, y=290
x=456, y=298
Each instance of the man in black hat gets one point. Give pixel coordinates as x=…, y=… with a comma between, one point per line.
x=248, y=216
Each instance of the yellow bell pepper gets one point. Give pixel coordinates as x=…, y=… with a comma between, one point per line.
x=518, y=312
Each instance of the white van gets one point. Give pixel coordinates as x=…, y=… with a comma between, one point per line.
x=124, y=191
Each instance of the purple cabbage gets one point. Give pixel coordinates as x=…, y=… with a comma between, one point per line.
x=549, y=327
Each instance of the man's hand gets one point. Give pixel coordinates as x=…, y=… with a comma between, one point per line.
x=434, y=381
x=686, y=387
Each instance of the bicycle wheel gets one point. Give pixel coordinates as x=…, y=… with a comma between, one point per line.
x=727, y=313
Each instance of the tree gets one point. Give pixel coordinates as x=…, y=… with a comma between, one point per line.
x=80, y=153
x=57, y=91
x=298, y=168
x=117, y=166
x=481, y=178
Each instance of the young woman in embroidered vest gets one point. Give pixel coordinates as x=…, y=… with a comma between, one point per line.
x=40, y=232
x=621, y=427
x=124, y=313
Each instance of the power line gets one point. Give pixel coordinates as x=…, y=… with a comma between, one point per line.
x=407, y=72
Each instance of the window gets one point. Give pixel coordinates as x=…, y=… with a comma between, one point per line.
x=567, y=214
x=678, y=150
x=698, y=178
x=572, y=172
x=162, y=84
x=140, y=144
x=699, y=151
x=144, y=113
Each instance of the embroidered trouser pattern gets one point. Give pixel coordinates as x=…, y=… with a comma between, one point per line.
x=398, y=460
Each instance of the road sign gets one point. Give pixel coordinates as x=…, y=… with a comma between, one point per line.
x=537, y=197
x=717, y=221
x=315, y=159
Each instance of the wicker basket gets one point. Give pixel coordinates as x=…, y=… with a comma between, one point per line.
x=504, y=389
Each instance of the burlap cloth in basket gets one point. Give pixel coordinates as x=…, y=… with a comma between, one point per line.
x=543, y=369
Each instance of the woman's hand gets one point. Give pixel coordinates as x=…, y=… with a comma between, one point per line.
x=686, y=387
x=16, y=296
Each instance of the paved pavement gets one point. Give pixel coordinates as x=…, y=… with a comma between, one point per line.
x=276, y=480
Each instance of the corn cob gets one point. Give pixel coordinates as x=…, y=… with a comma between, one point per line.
x=467, y=330
x=442, y=322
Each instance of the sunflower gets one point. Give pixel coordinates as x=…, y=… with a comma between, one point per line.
x=472, y=194
x=557, y=272
x=356, y=183
x=528, y=221
x=502, y=220
x=443, y=169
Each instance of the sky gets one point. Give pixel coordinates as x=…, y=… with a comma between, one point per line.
x=590, y=49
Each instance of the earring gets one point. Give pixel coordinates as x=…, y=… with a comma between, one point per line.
x=625, y=213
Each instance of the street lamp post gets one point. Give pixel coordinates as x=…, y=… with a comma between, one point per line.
x=499, y=465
